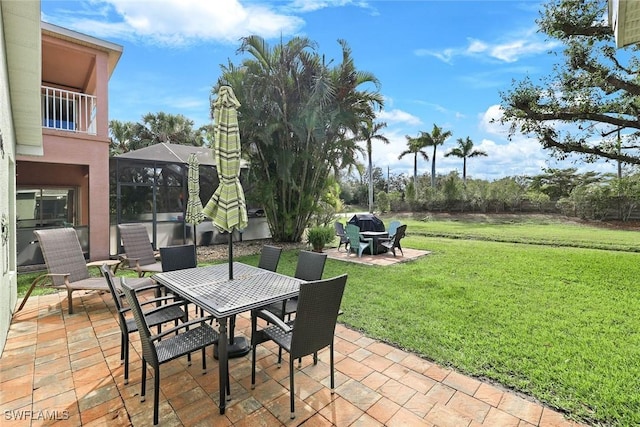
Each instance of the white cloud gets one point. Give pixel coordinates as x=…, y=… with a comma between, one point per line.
x=398, y=116
x=180, y=22
x=508, y=51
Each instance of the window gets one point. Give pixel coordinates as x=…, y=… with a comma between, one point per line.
x=50, y=207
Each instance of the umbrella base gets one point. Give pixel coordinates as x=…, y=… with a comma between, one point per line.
x=239, y=348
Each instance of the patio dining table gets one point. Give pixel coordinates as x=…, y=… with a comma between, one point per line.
x=209, y=288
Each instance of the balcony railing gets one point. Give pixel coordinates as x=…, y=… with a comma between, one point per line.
x=68, y=111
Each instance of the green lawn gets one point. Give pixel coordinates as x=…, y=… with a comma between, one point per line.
x=548, y=315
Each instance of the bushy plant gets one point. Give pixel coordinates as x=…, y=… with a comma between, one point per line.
x=318, y=237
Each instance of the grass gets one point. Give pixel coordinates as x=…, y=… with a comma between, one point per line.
x=538, y=306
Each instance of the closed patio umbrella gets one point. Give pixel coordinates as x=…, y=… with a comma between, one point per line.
x=194, y=213
x=227, y=207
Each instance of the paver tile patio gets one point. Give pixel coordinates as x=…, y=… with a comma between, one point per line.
x=67, y=367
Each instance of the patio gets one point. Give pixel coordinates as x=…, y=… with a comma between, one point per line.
x=66, y=369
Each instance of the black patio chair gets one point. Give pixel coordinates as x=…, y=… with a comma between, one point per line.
x=170, y=312
x=312, y=330
x=310, y=267
x=394, y=242
x=178, y=257
x=171, y=344
x=269, y=257
x=344, y=239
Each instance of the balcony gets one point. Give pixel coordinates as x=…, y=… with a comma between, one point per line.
x=68, y=111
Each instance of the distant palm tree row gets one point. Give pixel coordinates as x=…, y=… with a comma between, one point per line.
x=433, y=139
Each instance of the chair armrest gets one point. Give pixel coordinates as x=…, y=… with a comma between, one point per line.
x=272, y=318
x=109, y=262
x=161, y=307
x=185, y=325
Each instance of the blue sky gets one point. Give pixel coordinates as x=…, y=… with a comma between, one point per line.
x=438, y=61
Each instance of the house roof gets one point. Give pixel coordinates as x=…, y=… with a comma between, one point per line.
x=171, y=153
x=624, y=18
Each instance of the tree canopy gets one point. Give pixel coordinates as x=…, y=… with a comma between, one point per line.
x=154, y=129
x=298, y=123
x=590, y=96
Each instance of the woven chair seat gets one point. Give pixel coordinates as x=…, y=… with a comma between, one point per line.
x=169, y=314
x=176, y=346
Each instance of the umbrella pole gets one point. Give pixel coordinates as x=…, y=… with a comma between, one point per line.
x=231, y=255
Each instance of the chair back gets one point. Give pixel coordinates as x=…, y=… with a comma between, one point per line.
x=148, y=349
x=135, y=240
x=393, y=226
x=117, y=295
x=399, y=235
x=318, y=307
x=269, y=257
x=178, y=257
x=63, y=254
x=339, y=229
x=310, y=265
x=353, y=232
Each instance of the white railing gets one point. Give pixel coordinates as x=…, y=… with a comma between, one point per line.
x=69, y=111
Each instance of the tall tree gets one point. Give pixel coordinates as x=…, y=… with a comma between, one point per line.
x=295, y=117
x=434, y=139
x=590, y=96
x=121, y=136
x=156, y=128
x=415, y=146
x=368, y=132
x=170, y=128
x=465, y=150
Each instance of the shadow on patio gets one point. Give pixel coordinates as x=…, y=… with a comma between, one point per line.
x=64, y=369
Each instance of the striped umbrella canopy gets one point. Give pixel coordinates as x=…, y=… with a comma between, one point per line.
x=227, y=207
x=194, y=213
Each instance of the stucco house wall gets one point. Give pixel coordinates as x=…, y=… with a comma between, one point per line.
x=19, y=129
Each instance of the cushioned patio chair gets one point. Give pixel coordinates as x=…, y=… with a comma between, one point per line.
x=312, y=330
x=66, y=266
x=139, y=254
x=344, y=239
x=394, y=243
x=357, y=243
x=171, y=344
x=172, y=311
x=269, y=257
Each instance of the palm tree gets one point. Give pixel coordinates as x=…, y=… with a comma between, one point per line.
x=415, y=147
x=121, y=136
x=435, y=138
x=367, y=132
x=165, y=127
x=465, y=150
x=298, y=113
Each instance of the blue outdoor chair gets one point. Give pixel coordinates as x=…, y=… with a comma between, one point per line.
x=356, y=242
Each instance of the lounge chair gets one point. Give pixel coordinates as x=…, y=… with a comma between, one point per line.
x=139, y=254
x=67, y=268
